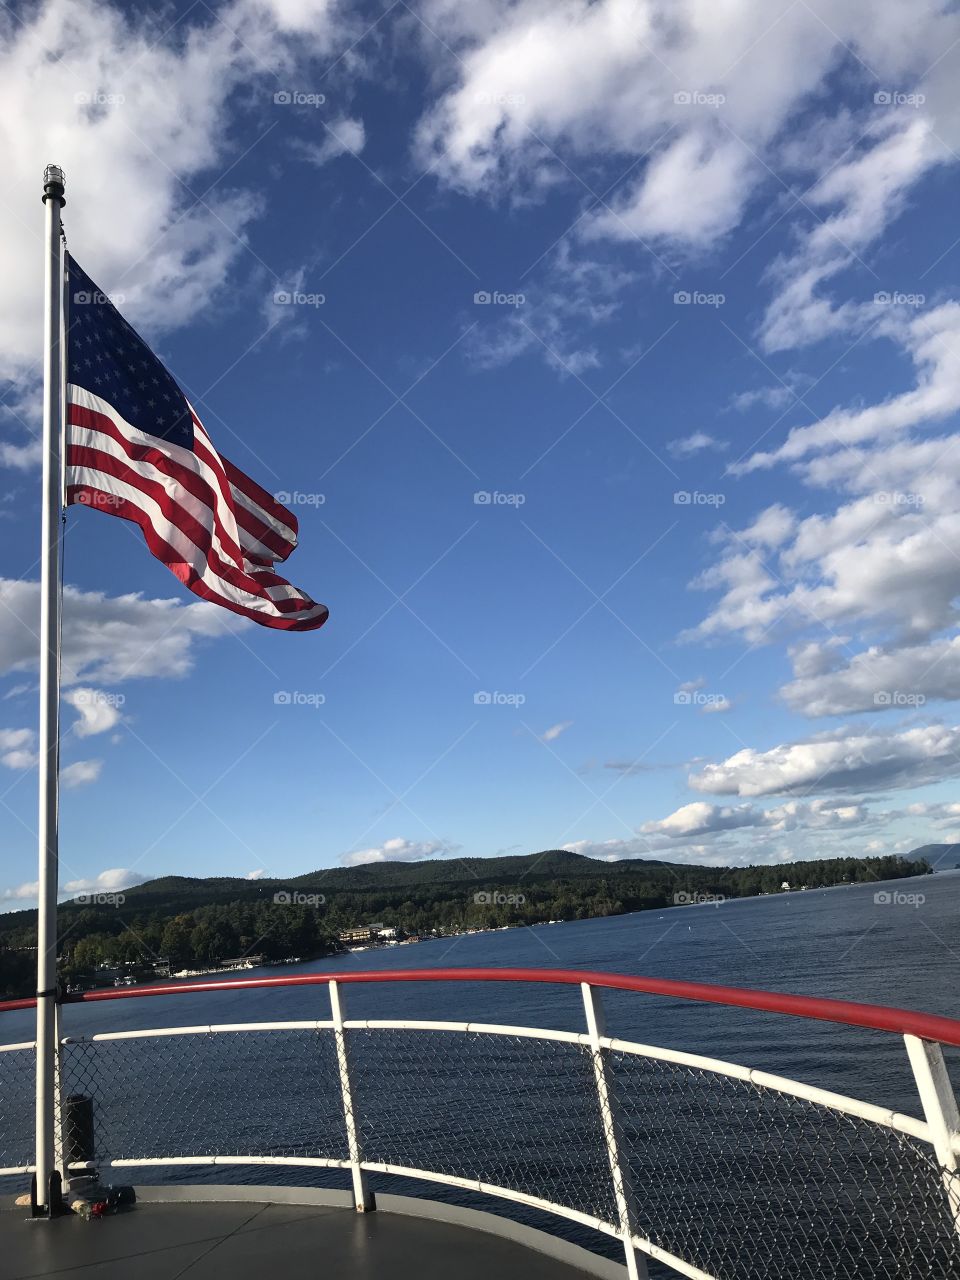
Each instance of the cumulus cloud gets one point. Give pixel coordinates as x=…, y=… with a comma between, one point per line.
x=850, y=760
x=17, y=748
x=555, y=730
x=129, y=104
x=396, y=850
x=98, y=711
x=878, y=680
x=700, y=818
x=81, y=773
x=110, y=881
x=109, y=638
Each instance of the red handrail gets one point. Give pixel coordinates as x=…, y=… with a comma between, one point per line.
x=876, y=1017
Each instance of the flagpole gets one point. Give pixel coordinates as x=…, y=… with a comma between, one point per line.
x=46, y=1196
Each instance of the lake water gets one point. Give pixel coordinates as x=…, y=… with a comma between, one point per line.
x=840, y=943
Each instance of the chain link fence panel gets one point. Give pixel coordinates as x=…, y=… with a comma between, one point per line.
x=515, y=1112
x=250, y=1093
x=751, y=1184
x=17, y=1083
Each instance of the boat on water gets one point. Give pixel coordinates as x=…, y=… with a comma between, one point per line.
x=288, y=1140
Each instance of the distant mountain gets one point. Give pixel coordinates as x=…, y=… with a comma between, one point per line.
x=942, y=857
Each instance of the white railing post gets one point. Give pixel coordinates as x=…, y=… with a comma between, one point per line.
x=623, y=1194
x=362, y=1195
x=940, y=1111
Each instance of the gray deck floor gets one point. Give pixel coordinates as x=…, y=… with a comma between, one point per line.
x=252, y=1241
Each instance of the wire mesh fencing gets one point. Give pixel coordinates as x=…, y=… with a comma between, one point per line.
x=250, y=1093
x=740, y=1181
x=744, y=1181
x=505, y=1110
x=17, y=1074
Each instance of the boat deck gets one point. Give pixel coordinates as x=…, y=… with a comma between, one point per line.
x=251, y=1239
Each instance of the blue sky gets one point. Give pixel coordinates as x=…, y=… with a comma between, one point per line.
x=707, y=612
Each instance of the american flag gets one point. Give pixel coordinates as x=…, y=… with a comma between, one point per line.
x=136, y=449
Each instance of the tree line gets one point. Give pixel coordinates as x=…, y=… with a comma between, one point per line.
x=175, y=924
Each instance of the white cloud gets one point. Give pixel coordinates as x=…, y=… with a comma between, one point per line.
x=695, y=443
x=555, y=731
x=109, y=638
x=80, y=773
x=878, y=680
x=396, y=850
x=344, y=136
x=700, y=818
x=98, y=711
x=110, y=881
x=17, y=749
x=255, y=875
x=138, y=112
x=848, y=760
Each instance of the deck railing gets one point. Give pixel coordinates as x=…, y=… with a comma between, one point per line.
x=713, y=1169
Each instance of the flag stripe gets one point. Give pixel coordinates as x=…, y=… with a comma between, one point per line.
x=219, y=532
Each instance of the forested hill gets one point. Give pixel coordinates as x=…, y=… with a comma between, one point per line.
x=203, y=922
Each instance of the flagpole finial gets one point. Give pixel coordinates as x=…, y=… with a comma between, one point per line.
x=53, y=184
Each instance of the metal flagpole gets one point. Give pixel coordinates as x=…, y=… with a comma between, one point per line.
x=46, y=1197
